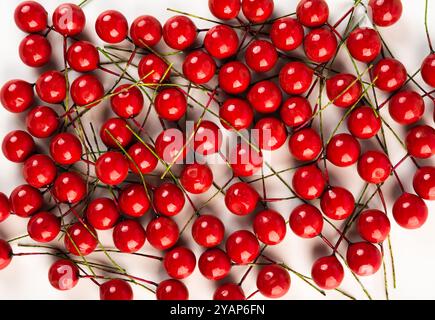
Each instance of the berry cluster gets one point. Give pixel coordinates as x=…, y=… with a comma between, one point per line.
x=248, y=65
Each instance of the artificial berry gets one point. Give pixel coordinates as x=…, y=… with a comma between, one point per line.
x=168, y=199
x=42, y=122
x=162, y=233
x=229, y=291
x=35, y=50
x=373, y=226
x=142, y=158
x=374, y=167
x=87, y=91
x=129, y=236
x=39, y=171
x=363, y=258
x=208, y=231
x=389, y=74
x=115, y=133
x=111, y=26
x=343, y=150
x=242, y=247
x=241, y=199
x=337, y=203
x=102, y=213
x=31, y=17
x=82, y=56
x=261, y=56
x=364, y=44
x=428, y=70
x=196, y=178
x=312, y=13
x=69, y=19
x=5, y=254
x=43, y=227
x=309, y=182
x=344, y=90
x=80, y=239
x=236, y=114
x=199, y=67
x=296, y=111
x=127, y=101
x=234, y=77
x=25, y=201
x=424, y=182
x=273, y=281
x=306, y=221
x=112, y=168
x=257, y=11
x=69, y=187
x=146, y=31
x=221, y=42
x=287, y=34
x=269, y=227
x=16, y=95
x=385, y=12
x=179, y=263
x=207, y=139
x=320, y=45
x=265, y=96
x=179, y=32
x=295, y=78
x=65, y=148
x=327, y=272
x=116, y=289
x=410, y=211
x=406, y=107
x=214, y=264
x=51, y=87
x=224, y=9
x=17, y=146
x=305, y=144
x=133, y=200
x=420, y=142
x=171, y=146
x=153, y=69
x=5, y=208
x=272, y=133
x=172, y=289
x=245, y=161
x=63, y=274
x=171, y=104
x=364, y=123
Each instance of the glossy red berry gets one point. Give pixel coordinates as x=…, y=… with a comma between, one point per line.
x=242, y=247
x=343, y=150
x=172, y=289
x=80, y=240
x=146, y=31
x=312, y=13
x=127, y=101
x=42, y=122
x=234, y=77
x=229, y=291
x=389, y=74
x=373, y=226
x=116, y=289
x=306, y=221
x=199, y=67
x=17, y=146
x=214, y=264
x=224, y=9
x=82, y=56
x=420, y=142
x=273, y=281
x=102, y=213
x=221, y=42
x=410, y=211
x=5, y=254
x=69, y=19
x=236, y=114
x=207, y=139
x=111, y=26
x=133, y=200
x=171, y=146
x=69, y=187
x=344, y=90
x=364, y=44
x=153, y=69
x=245, y=161
x=51, y=87
x=424, y=182
x=208, y=231
x=168, y=199
x=129, y=236
x=171, y=104
x=5, y=208
x=406, y=107
x=43, y=227
x=261, y=56
x=179, y=262
x=35, y=50
x=337, y=203
x=257, y=11
x=16, y=95
x=241, y=199
x=309, y=182
x=385, y=12
x=305, y=144
x=428, y=70
x=115, y=133
x=87, y=91
x=265, y=96
x=374, y=167
x=272, y=133
x=295, y=78
x=363, y=123
x=30, y=17
x=287, y=34
x=179, y=32
x=320, y=45
x=327, y=272
x=269, y=227
x=363, y=258
x=65, y=148
x=162, y=233
x=112, y=168
x=63, y=275
x=39, y=171
x=296, y=111
x=142, y=158
x=196, y=178
x=25, y=201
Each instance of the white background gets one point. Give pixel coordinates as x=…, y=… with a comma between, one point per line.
x=26, y=277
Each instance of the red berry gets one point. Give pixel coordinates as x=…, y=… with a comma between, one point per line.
x=115, y=133
x=344, y=90
x=269, y=227
x=172, y=289
x=82, y=56
x=343, y=150
x=406, y=107
x=5, y=208
x=373, y=226
x=306, y=221
x=363, y=258
x=63, y=274
x=146, y=31
x=305, y=144
x=385, y=12
x=308, y=182
x=43, y=227
x=428, y=70
x=142, y=158
x=42, y=122
x=69, y=187
x=16, y=95
x=168, y=199
x=265, y=96
x=241, y=199
x=410, y=211
x=102, y=213
x=111, y=26
x=214, y=264
x=35, y=50
x=17, y=146
x=363, y=123
x=229, y=291
x=87, y=91
x=424, y=182
x=236, y=114
x=208, y=138
x=179, y=262
x=129, y=236
x=127, y=101
x=30, y=17
x=320, y=45
x=221, y=42
x=337, y=203
x=171, y=146
x=25, y=201
x=171, y=104
x=257, y=11
x=196, y=178
x=312, y=13
x=152, y=69
x=234, y=77
x=116, y=289
x=273, y=281
x=287, y=34
x=51, y=87
x=374, y=167
x=162, y=233
x=242, y=247
x=420, y=142
x=65, y=148
x=327, y=272
x=69, y=19
x=224, y=9
x=208, y=231
x=272, y=133
x=296, y=111
x=295, y=78
x=199, y=67
x=112, y=168
x=364, y=44
x=80, y=240
x=245, y=161
x=179, y=32
x=261, y=56
x=5, y=254
x=389, y=74
x=133, y=200
x=39, y=171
